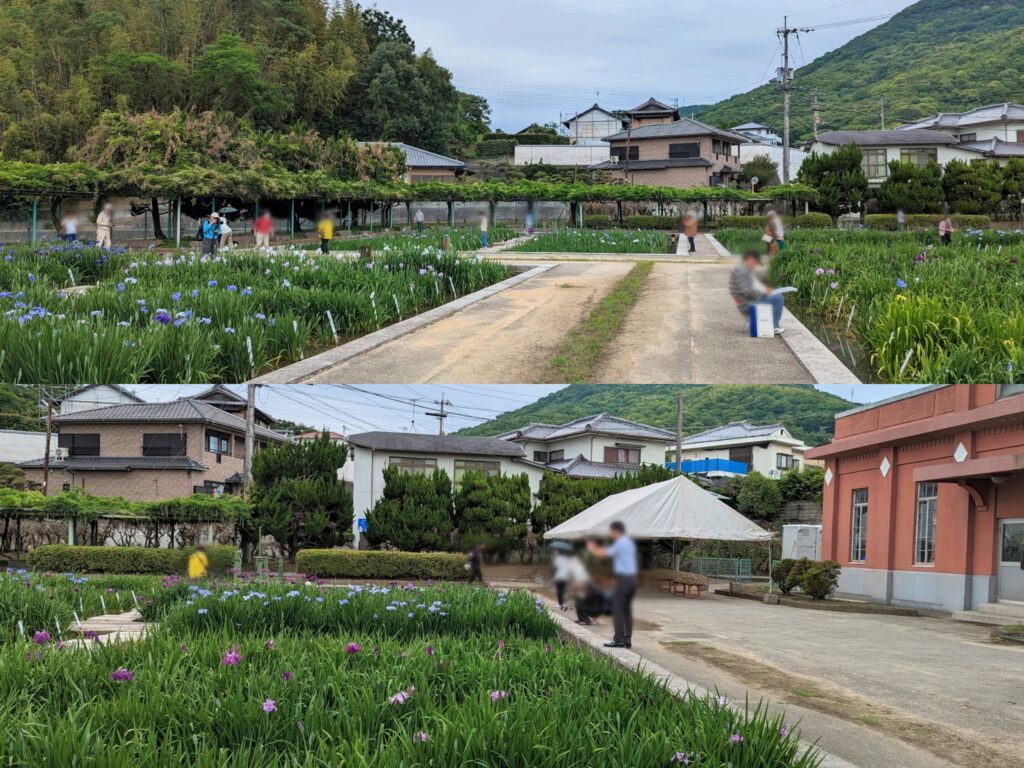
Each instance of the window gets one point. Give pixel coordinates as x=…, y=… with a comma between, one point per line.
x=1013, y=544
x=784, y=461
x=462, y=466
x=924, y=524
x=218, y=442
x=1010, y=390
x=556, y=456
x=743, y=455
x=920, y=156
x=683, y=151
x=968, y=137
x=80, y=445
x=859, y=534
x=1020, y=137
x=164, y=445
x=621, y=454
x=619, y=153
x=413, y=466
x=541, y=457
x=876, y=164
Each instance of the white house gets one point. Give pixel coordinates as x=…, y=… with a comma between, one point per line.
x=372, y=452
x=592, y=126
x=739, y=449
x=94, y=396
x=761, y=134
x=1004, y=122
x=601, y=445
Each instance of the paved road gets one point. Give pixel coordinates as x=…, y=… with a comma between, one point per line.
x=683, y=329
x=929, y=668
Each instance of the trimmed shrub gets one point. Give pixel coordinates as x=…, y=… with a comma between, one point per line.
x=62, y=558
x=496, y=148
x=820, y=580
x=671, y=223
x=350, y=564
x=759, y=222
x=788, y=574
x=598, y=221
x=813, y=221
x=887, y=221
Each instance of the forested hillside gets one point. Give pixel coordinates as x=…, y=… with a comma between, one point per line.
x=283, y=65
x=806, y=412
x=937, y=55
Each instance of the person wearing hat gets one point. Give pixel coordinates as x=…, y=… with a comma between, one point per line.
x=105, y=227
x=211, y=234
x=746, y=289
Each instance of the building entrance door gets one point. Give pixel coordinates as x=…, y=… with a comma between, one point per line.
x=1011, y=560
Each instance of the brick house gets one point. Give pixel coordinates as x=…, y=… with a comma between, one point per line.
x=149, y=451
x=924, y=498
x=682, y=154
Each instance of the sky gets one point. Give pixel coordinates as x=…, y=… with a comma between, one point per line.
x=537, y=60
x=402, y=408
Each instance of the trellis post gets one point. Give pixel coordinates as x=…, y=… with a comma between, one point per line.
x=408, y=213
x=35, y=217
x=170, y=215
x=177, y=232
x=291, y=220
x=371, y=215
x=451, y=213
x=17, y=536
x=72, y=532
x=209, y=533
x=348, y=215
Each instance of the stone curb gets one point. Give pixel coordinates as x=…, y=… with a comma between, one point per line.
x=299, y=372
x=666, y=258
x=720, y=249
x=634, y=662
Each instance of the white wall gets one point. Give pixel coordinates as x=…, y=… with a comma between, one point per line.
x=945, y=155
x=764, y=459
x=578, y=155
x=92, y=398
x=591, y=447
x=17, y=446
x=593, y=127
x=1007, y=132
x=796, y=156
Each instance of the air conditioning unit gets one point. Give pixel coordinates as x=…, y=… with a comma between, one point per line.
x=61, y=454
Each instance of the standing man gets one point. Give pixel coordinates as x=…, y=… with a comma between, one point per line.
x=901, y=220
x=326, y=231
x=690, y=230
x=476, y=558
x=69, y=226
x=105, y=227
x=946, y=230
x=484, y=226
x=263, y=227
x=419, y=219
x=211, y=234
x=622, y=552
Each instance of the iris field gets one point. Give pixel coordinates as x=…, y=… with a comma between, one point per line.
x=246, y=673
x=153, y=317
x=925, y=312
x=595, y=241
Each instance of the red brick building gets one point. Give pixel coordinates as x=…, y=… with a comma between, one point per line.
x=924, y=498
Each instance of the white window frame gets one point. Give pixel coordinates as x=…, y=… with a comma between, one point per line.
x=859, y=527
x=925, y=523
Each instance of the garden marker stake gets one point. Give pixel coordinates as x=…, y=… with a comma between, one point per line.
x=850, y=321
x=103, y=604
x=56, y=622
x=78, y=621
x=334, y=331
x=906, y=361
x=398, y=309
x=71, y=277
x=134, y=598
x=452, y=284
x=248, y=348
x=21, y=627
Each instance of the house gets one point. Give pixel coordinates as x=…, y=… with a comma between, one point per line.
x=149, y=451
x=594, y=446
x=682, y=154
x=373, y=452
x=652, y=112
x=924, y=499
x=592, y=126
x=741, y=448
x=758, y=134
x=335, y=437
x=95, y=396
x=1000, y=122
x=422, y=166
x=221, y=397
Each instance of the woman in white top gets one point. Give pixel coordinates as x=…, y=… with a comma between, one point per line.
x=569, y=570
x=225, y=233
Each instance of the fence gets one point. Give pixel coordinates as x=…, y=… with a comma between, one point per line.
x=737, y=569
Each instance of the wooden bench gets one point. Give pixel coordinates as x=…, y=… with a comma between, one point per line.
x=680, y=582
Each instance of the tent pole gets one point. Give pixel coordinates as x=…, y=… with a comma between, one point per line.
x=675, y=559
x=771, y=581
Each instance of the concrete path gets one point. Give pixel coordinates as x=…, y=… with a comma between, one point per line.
x=959, y=695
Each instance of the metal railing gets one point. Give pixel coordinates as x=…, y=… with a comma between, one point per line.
x=737, y=569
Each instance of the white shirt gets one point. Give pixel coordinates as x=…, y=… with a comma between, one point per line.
x=484, y=224
x=224, y=228
x=419, y=217
x=780, y=229
x=71, y=225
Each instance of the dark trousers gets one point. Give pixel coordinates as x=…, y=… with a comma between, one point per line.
x=325, y=245
x=592, y=604
x=693, y=244
x=947, y=239
x=560, y=587
x=475, y=574
x=622, y=608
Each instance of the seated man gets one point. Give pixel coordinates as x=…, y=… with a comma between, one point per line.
x=746, y=289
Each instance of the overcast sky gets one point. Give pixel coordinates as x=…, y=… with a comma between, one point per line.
x=538, y=59
x=390, y=408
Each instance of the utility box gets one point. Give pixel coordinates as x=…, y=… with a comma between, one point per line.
x=799, y=541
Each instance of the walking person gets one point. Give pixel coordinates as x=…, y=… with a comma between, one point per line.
x=946, y=230
x=901, y=220
x=746, y=289
x=476, y=558
x=69, y=227
x=325, y=228
x=105, y=227
x=484, y=227
x=777, y=230
x=226, y=239
x=690, y=229
x=531, y=224
x=198, y=562
x=568, y=571
x=263, y=228
x=211, y=234
x=622, y=552
x=420, y=218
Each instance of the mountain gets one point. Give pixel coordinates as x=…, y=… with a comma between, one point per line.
x=935, y=56
x=806, y=412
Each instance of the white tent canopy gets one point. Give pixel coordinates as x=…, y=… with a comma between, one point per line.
x=674, y=509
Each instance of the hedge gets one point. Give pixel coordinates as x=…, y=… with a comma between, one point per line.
x=63, y=558
x=745, y=222
x=598, y=221
x=813, y=221
x=495, y=148
x=887, y=221
x=350, y=564
x=652, y=222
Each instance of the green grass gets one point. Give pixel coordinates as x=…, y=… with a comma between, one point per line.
x=462, y=239
x=585, y=346
x=590, y=241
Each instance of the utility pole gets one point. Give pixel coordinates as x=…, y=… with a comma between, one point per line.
x=679, y=433
x=46, y=454
x=250, y=433
x=440, y=415
x=883, y=113
x=786, y=78
x=817, y=115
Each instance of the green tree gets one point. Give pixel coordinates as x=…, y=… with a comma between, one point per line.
x=139, y=82
x=806, y=485
x=975, y=187
x=228, y=77
x=912, y=189
x=297, y=497
x=759, y=497
x=474, y=120
x=561, y=497
x=415, y=514
x=20, y=408
x=492, y=511
x=1013, y=184
x=762, y=168
x=839, y=179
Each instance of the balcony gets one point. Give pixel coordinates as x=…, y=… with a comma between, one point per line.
x=712, y=467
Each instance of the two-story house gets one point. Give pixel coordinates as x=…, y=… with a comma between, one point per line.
x=594, y=446
x=592, y=126
x=741, y=448
x=149, y=451
x=682, y=154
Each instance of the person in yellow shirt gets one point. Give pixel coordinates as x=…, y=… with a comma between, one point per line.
x=326, y=231
x=198, y=563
